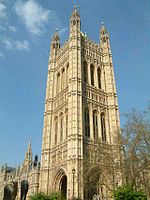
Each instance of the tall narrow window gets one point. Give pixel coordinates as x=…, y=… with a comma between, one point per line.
x=85, y=72
x=61, y=127
x=95, y=128
x=56, y=129
x=66, y=124
x=67, y=69
x=92, y=74
x=99, y=77
x=87, y=122
x=58, y=83
x=103, y=128
x=63, y=79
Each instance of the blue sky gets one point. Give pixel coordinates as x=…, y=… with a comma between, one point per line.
x=26, y=28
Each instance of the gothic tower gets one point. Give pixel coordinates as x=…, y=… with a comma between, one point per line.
x=81, y=118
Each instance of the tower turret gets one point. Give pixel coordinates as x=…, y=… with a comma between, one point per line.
x=75, y=23
x=55, y=45
x=104, y=38
x=28, y=156
x=110, y=87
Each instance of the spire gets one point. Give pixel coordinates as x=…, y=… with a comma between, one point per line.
x=55, y=39
x=75, y=13
x=104, y=36
x=28, y=156
x=55, y=45
x=75, y=22
x=55, y=36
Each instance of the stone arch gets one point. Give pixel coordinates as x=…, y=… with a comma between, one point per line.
x=60, y=182
x=95, y=183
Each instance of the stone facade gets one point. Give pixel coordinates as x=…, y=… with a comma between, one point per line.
x=80, y=146
x=29, y=170
x=81, y=119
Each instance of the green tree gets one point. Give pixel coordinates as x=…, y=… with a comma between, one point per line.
x=51, y=196
x=136, y=148
x=127, y=193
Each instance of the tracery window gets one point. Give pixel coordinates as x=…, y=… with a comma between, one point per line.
x=66, y=124
x=95, y=128
x=67, y=69
x=92, y=74
x=87, y=122
x=99, y=77
x=103, y=127
x=58, y=83
x=61, y=127
x=56, y=129
x=85, y=72
x=63, y=79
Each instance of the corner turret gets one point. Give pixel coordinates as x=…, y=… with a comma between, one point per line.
x=75, y=23
x=28, y=157
x=55, y=45
x=104, y=36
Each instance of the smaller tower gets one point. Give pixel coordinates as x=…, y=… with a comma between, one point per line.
x=55, y=45
x=104, y=36
x=75, y=23
x=28, y=157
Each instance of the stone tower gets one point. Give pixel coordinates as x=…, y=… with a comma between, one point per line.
x=81, y=118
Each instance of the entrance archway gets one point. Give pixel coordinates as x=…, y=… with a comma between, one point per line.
x=63, y=186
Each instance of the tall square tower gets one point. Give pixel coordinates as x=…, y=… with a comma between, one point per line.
x=80, y=146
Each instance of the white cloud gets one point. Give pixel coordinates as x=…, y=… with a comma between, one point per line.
x=22, y=45
x=2, y=11
x=16, y=44
x=12, y=28
x=8, y=43
x=33, y=16
x=1, y=55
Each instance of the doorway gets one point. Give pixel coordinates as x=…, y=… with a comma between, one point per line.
x=63, y=186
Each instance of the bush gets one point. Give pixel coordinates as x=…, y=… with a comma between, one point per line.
x=51, y=196
x=127, y=193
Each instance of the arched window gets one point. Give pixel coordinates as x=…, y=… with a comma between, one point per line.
x=56, y=129
x=99, y=77
x=85, y=72
x=63, y=79
x=87, y=122
x=95, y=128
x=103, y=128
x=61, y=127
x=66, y=124
x=92, y=74
x=67, y=69
x=58, y=83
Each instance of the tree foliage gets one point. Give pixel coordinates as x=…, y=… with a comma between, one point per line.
x=136, y=149
x=51, y=196
x=127, y=193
